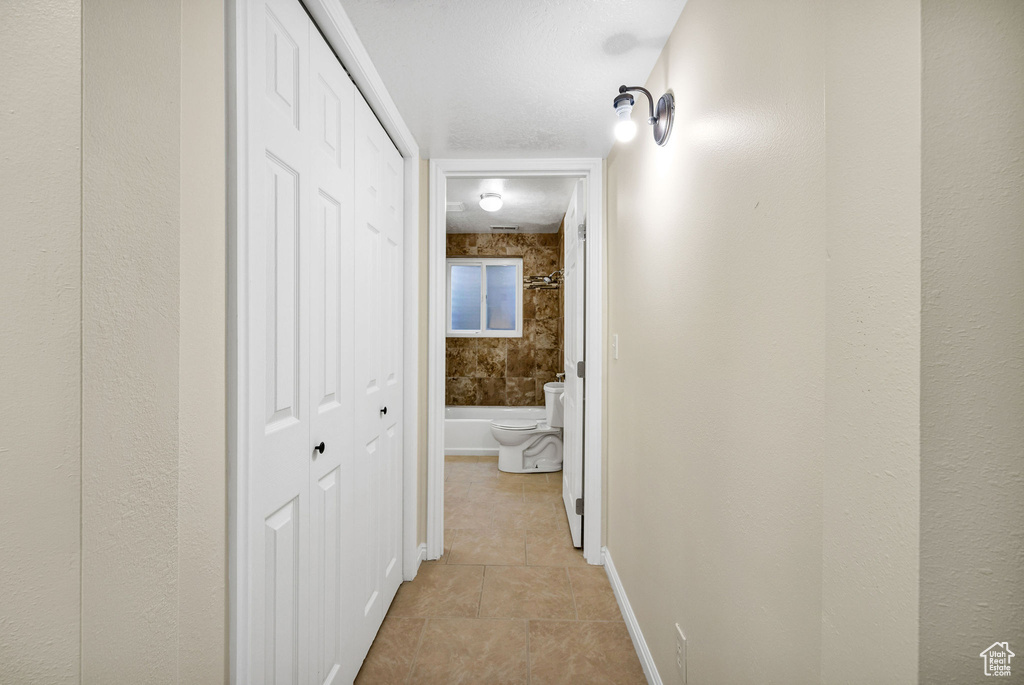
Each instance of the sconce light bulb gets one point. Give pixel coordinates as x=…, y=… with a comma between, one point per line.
x=625, y=128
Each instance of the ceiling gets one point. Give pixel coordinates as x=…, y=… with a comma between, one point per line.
x=516, y=79
x=536, y=205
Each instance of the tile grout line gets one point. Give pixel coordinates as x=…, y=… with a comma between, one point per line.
x=416, y=652
x=569, y=620
x=529, y=674
x=572, y=591
x=451, y=544
x=480, y=599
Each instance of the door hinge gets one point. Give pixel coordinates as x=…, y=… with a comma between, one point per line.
x=581, y=231
x=581, y=369
x=579, y=506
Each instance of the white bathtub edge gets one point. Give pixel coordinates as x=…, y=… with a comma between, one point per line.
x=467, y=430
x=470, y=452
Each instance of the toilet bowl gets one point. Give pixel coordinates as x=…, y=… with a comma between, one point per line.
x=527, y=446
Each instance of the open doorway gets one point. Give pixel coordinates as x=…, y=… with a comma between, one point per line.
x=514, y=309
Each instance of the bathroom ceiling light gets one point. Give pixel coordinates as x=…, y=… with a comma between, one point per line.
x=490, y=202
x=660, y=119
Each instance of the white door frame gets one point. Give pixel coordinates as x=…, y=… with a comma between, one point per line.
x=341, y=35
x=440, y=171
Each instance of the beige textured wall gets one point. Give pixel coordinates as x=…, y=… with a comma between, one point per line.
x=153, y=232
x=871, y=465
x=717, y=292
x=202, y=393
x=130, y=279
x=972, y=342
x=112, y=509
x=40, y=297
x=764, y=284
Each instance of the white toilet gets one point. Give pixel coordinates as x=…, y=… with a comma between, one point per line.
x=526, y=446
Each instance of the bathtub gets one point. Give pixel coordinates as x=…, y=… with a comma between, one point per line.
x=467, y=430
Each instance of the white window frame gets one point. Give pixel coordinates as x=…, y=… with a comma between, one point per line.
x=483, y=263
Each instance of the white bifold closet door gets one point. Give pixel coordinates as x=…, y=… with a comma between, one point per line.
x=323, y=240
x=376, y=546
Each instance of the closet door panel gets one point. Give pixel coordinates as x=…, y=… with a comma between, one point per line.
x=368, y=383
x=322, y=358
x=277, y=311
x=328, y=576
x=330, y=139
x=378, y=365
x=391, y=288
x=282, y=655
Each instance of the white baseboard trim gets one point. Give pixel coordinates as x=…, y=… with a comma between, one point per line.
x=639, y=644
x=412, y=569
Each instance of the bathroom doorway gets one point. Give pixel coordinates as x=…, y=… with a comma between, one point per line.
x=509, y=242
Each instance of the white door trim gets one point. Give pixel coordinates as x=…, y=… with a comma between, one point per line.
x=341, y=35
x=440, y=171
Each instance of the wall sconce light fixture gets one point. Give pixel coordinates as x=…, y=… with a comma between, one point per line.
x=490, y=202
x=660, y=118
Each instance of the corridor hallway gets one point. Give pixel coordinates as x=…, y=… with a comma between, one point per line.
x=510, y=601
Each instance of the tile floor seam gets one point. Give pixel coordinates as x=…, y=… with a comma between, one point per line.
x=455, y=534
x=480, y=599
x=416, y=652
x=572, y=591
x=582, y=620
x=529, y=676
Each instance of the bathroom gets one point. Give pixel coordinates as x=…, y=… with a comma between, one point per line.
x=504, y=327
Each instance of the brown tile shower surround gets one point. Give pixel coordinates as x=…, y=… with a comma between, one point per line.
x=511, y=600
x=510, y=371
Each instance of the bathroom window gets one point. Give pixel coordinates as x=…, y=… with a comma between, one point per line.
x=485, y=297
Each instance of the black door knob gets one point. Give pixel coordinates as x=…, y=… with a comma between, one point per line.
x=320, y=448
x=384, y=410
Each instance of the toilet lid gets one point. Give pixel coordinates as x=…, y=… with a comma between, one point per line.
x=514, y=424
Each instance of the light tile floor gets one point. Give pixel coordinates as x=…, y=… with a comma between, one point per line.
x=511, y=601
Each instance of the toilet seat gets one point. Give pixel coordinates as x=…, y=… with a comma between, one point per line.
x=514, y=424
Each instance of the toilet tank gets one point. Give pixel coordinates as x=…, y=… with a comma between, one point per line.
x=553, y=404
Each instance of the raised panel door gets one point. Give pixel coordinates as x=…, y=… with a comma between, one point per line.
x=378, y=367
x=572, y=432
x=370, y=236
x=330, y=137
x=278, y=334
x=323, y=341
x=391, y=287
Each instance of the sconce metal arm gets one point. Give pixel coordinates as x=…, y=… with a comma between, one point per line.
x=650, y=100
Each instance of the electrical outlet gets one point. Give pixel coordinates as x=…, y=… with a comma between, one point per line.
x=615, y=346
x=681, y=654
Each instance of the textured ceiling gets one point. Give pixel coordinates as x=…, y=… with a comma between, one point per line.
x=536, y=205
x=517, y=79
